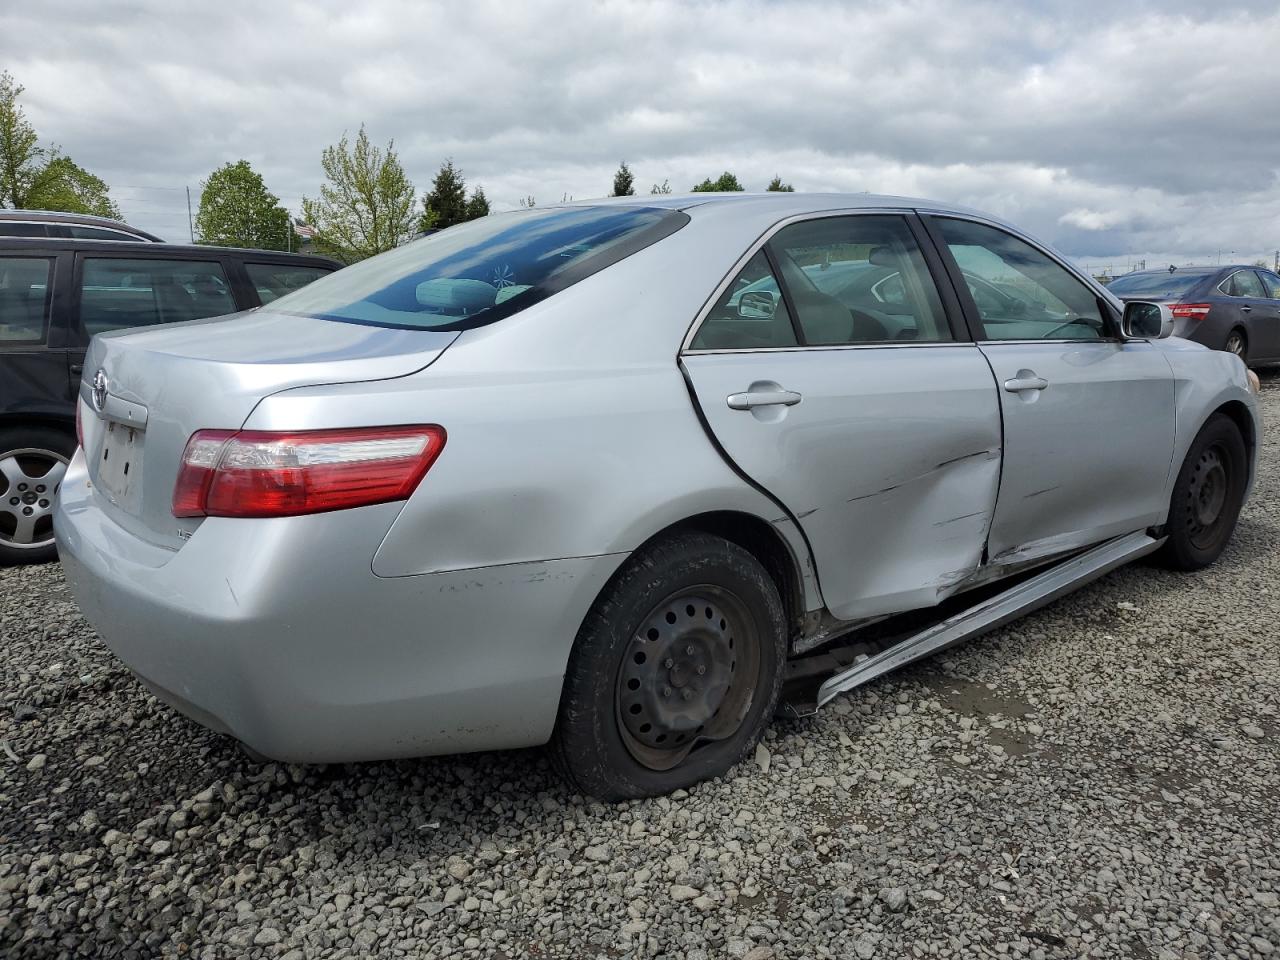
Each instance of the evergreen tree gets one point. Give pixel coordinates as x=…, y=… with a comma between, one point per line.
x=446, y=203
x=777, y=186
x=624, y=181
x=478, y=205
x=725, y=183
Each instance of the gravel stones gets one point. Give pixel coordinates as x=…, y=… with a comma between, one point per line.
x=1129, y=810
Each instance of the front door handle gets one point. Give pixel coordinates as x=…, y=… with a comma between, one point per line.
x=1024, y=382
x=1246, y=308
x=762, y=398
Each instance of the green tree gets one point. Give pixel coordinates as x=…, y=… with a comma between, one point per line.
x=237, y=210
x=528, y=202
x=624, y=182
x=446, y=203
x=726, y=183
x=366, y=207
x=36, y=177
x=661, y=188
x=777, y=186
x=478, y=205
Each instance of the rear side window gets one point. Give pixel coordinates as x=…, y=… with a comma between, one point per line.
x=750, y=314
x=11, y=229
x=1272, y=283
x=117, y=293
x=24, y=299
x=274, y=280
x=1242, y=283
x=478, y=272
x=98, y=233
x=1157, y=285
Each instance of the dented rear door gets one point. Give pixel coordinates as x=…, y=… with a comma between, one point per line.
x=889, y=459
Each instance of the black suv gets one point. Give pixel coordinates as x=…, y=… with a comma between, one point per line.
x=54, y=296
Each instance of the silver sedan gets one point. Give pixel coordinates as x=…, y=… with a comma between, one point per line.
x=627, y=477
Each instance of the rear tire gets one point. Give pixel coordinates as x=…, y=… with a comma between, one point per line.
x=1207, y=497
x=675, y=671
x=1238, y=343
x=32, y=461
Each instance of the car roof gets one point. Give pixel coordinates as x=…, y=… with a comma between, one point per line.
x=156, y=250
x=78, y=219
x=786, y=203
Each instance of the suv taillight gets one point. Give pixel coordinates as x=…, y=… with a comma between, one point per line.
x=254, y=473
x=1190, y=311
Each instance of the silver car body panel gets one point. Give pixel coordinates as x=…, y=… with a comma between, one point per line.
x=444, y=623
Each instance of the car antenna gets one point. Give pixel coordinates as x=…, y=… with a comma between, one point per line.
x=1172, y=268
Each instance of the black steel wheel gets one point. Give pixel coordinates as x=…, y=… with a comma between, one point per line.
x=675, y=672
x=1207, y=496
x=32, y=462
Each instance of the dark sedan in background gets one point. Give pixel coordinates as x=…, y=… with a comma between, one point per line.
x=1235, y=308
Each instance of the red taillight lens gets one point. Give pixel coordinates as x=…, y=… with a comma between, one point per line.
x=1190, y=311
x=262, y=474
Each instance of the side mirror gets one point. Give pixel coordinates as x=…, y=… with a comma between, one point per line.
x=1146, y=321
x=756, y=305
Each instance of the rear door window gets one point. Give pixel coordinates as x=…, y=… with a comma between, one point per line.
x=1243, y=283
x=24, y=299
x=117, y=293
x=274, y=280
x=1272, y=283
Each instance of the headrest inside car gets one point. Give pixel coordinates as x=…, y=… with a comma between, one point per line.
x=456, y=295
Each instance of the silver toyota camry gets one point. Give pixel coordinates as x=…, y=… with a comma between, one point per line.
x=627, y=477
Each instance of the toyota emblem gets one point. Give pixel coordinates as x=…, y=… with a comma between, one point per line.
x=99, y=388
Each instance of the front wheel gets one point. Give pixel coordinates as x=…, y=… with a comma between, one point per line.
x=675, y=672
x=1207, y=496
x=32, y=462
x=1237, y=344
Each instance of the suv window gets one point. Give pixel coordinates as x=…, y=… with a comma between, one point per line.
x=1242, y=283
x=274, y=280
x=98, y=233
x=1272, y=283
x=24, y=299
x=1020, y=293
x=750, y=314
x=9, y=228
x=858, y=280
x=477, y=272
x=116, y=293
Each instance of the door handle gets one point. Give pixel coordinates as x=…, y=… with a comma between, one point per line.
x=1246, y=308
x=1018, y=384
x=77, y=368
x=762, y=398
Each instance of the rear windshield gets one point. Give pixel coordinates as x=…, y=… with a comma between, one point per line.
x=478, y=272
x=1154, y=284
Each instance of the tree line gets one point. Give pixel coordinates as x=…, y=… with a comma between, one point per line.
x=366, y=205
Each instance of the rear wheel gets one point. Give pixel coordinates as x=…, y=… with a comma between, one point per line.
x=1238, y=344
x=32, y=462
x=1207, y=497
x=675, y=672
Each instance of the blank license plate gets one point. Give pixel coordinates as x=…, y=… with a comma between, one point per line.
x=120, y=464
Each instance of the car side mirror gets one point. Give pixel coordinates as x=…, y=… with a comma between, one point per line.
x=1146, y=321
x=756, y=305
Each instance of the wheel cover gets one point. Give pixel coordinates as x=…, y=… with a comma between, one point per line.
x=29, y=481
x=1207, y=497
x=688, y=676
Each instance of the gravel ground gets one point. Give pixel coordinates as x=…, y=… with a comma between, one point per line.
x=1099, y=780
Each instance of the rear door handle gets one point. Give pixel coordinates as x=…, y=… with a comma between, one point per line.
x=762, y=398
x=1246, y=308
x=1018, y=384
x=77, y=368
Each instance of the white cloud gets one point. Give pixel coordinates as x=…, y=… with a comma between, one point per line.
x=1106, y=129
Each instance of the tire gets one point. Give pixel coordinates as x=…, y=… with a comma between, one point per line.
x=32, y=462
x=1207, y=497
x=636, y=711
x=1238, y=343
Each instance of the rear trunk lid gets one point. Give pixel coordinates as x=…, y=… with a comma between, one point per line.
x=152, y=388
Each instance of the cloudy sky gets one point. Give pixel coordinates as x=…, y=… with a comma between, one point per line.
x=1115, y=130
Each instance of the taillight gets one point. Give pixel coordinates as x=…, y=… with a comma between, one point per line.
x=1190, y=311
x=267, y=474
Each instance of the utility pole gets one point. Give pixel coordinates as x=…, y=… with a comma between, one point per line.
x=190, y=227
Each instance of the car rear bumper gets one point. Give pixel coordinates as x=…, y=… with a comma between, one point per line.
x=279, y=633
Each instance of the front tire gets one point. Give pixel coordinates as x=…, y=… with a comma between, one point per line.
x=1207, y=497
x=675, y=671
x=1238, y=344
x=32, y=462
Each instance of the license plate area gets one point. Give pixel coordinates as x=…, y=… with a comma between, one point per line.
x=120, y=464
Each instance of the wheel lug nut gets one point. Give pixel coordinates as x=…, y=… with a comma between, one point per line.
x=14, y=501
x=40, y=488
x=689, y=650
x=668, y=663
x=687, y=694
x=22, y=486
x=666, y=691
x=44, y=505
x=26, y=511
x=701, y=670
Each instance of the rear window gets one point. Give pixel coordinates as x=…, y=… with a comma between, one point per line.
x=1154, y=284
x=274, y=280
x=477, y=272
x=117, y=293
